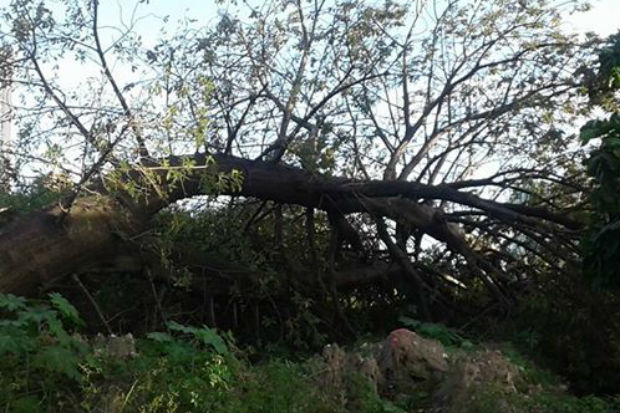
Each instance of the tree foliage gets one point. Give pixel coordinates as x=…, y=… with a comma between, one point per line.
x=602, y=240
x=433, y=117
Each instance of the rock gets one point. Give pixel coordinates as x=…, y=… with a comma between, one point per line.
x=406, y=359
x=113, y=346
x=399, y=364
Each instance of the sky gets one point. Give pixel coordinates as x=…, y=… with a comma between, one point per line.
x=603, y=19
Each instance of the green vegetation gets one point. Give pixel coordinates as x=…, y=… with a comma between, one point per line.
x=48, y=366
x=490, y=400
x=291, y=206
x=447, y=336
x=601, y=244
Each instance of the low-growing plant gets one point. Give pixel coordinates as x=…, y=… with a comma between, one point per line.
x=46, y=366
x=39, y=357
x=447, y=336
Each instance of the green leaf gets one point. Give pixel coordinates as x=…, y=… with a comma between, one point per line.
x=205, y=335
x=409, y=322
x=66, y=308
x=589, y=131
x=57, y=329
x=37, y=314
x=467, y=345
x=210, y=337
x=12, y=302
x=174, y=326
x=58, y=359
x=25, y=404
x=160, y=337
x=14, y=341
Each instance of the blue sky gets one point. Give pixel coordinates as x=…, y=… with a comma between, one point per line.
x=603, y=19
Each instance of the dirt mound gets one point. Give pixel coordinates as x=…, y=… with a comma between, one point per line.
x=473, y=374
x=405, y=363
x=397, y=364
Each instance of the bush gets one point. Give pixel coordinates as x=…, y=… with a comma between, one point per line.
x=46, y=366
x=39, y=359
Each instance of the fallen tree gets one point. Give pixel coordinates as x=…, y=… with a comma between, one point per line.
x=44, y=246
x=356, y=121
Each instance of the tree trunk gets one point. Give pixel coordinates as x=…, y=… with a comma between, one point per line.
x=42, y=247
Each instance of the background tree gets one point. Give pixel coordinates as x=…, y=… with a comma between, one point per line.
x=601, y=242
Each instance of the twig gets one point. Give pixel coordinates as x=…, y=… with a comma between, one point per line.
x=156, y=297
x=94, y=303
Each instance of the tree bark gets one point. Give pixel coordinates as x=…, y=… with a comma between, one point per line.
x=38, y=249
x=42, y=247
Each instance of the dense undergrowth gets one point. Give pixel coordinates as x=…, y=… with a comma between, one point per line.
x=48, y=366
x=564, y=335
